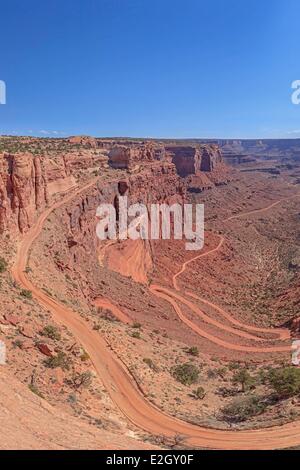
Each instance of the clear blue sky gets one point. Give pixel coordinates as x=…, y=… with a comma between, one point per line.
x=157, y=68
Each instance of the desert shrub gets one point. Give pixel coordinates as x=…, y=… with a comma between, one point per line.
x=226, y=392
x=82, y=380
x=285, y=381
x=35, y=390
x=51, y=332
x=26, y=293
x=234, y=365
x=61, y=360
x=242, y=409
x=3, y=265
x=193, y=351
x=150, y=364
x=243, y=378
x=186, y=374
x=136, y=334
x=211, y=374
x=84, y=356
x=221, y=372
x=199, y=393
x=106, y=314
x=136, y=324
x=18, y=343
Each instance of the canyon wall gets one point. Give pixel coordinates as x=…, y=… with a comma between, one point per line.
x=28, y=182
x=23, y=190
x=157, y=182
x=154, y=173
x=127, y=157
x=202, y=166
x=192, y=160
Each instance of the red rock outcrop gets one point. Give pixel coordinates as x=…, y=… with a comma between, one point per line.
x=23, y=190
x=201, y=165
x=122, y=156
x=84, y=140
x=191, y=160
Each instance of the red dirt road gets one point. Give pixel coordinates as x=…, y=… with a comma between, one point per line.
x=120, y=384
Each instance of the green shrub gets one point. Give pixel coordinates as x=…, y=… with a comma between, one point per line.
x=61, y=360
x=136, y=324
x=193, y=351
x=136, y=334
x=150, y=364
x=199, y=393
x=285, y=381
x=84, y=356
x=51, y=332
x=186, y=374
x=83, y=380
x=242, y=409
x=234, y=365
x=26, y=293
x=35, y=390
x=3, y=265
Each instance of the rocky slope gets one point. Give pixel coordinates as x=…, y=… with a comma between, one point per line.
x=29, y=422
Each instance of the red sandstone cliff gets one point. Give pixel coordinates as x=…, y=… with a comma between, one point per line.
x=23, y=190
x=201, y=165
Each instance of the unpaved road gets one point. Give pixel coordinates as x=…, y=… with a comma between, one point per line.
x=120, y=384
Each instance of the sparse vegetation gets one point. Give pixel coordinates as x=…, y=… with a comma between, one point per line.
x=3, y=265
x=84, y=356
x=136, y=335
x=151, y=364
x=285, y=381
x=60, y=360
x=242, y=409
x=83, y=380
x=193, y=351
x=51, y=332
x=199, y=393
x=26, y=293
x=35, y=390
x=187, y=373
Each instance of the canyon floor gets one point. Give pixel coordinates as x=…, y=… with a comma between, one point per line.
x=137, y=344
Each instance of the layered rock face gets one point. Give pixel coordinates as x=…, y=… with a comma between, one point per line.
x=27, y=182
x=124, y=157
x=157, y=182
x=201, y=165
x=23, y=190
x=190, y=160
x=83, y=140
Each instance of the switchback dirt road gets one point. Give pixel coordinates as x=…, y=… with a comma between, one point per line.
x=120, y=384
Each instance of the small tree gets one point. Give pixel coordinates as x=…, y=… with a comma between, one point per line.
x=285, y=381
x=243, y=378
